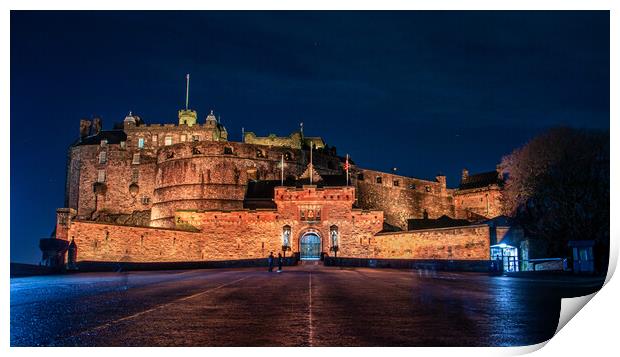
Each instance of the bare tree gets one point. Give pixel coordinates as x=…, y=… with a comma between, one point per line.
x=557, y=188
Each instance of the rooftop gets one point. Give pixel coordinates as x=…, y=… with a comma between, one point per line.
x=480, y=180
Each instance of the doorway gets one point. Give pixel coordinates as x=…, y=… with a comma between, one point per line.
x=310, y=246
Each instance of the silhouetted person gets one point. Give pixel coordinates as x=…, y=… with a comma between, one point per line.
x=270, y=261
x=279, y=262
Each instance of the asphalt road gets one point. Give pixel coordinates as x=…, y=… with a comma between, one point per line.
x=303, y=306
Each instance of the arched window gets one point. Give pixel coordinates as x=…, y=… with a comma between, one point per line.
x=288, y=156
x=260, y=154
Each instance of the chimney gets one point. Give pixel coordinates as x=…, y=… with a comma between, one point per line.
x=464, y=175
x=84, y=128
x=96, y=125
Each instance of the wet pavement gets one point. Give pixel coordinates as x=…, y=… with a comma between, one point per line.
x=307, y=305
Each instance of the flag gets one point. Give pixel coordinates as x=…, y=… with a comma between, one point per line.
x=346, y=168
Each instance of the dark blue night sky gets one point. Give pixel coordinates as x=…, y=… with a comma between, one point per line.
x=425, y=92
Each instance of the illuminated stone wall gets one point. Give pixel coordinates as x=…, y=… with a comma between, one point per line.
x=402, y=198
x=481, y=202
x=245, y=234
x=190, y=175
x=457, y=243
x=292, y=141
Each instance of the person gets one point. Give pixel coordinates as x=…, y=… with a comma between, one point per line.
x=270, y=261
x=279, y=263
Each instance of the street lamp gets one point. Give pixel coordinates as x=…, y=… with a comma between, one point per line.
x=286, y=239
x=284, y=249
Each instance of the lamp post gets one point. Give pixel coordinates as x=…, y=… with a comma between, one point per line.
x=284, y=249
x=334, y=249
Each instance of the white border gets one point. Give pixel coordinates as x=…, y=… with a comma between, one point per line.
x=590, y=331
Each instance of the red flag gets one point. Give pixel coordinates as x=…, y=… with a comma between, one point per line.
x=346, y=163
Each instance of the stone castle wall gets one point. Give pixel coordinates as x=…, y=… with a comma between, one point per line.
x=402, y=198
x=247, y=235
x=458, y=243
x=190, y=175
x=115, y=195
x=483, y=202
x=292, y=141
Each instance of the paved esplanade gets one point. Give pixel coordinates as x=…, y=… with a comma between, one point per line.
x=303, y=306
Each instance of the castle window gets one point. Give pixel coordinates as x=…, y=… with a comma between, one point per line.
x=155, y=140
x=134, y=175
x=104, y=142
x=196, y=137
x=260, y=153
x=379, y=179
x=168, y=140
x=183, y=138
x=288, y=156
x=101, y=176
x=103, y=157
x=428, y=188
x=123, y=145
x=412, y=186
x=228, y=150
x=396, y=183
x=140, y=143
x=146, y=200
x=136, y=159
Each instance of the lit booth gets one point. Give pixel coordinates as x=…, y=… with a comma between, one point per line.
x=583, y=258
x=507, y=254
x=505, y=238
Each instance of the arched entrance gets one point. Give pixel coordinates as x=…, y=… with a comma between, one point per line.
x=310, y=246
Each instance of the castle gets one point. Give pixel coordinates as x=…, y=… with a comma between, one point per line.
x=184, y=192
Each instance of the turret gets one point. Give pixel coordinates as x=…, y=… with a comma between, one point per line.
x=97, y=124
x=187, y=117
x=84, y=128
x=464, y=174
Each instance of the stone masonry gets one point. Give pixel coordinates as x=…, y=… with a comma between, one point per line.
x=176, y=192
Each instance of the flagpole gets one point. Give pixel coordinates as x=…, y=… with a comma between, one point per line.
x=311, y=162
x=282, y=168
x=186, y=91
x=347, y=164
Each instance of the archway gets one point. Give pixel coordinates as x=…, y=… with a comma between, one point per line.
x=310, y=246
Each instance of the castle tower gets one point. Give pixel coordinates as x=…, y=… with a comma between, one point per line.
x=187, y=116
x=211, y=119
